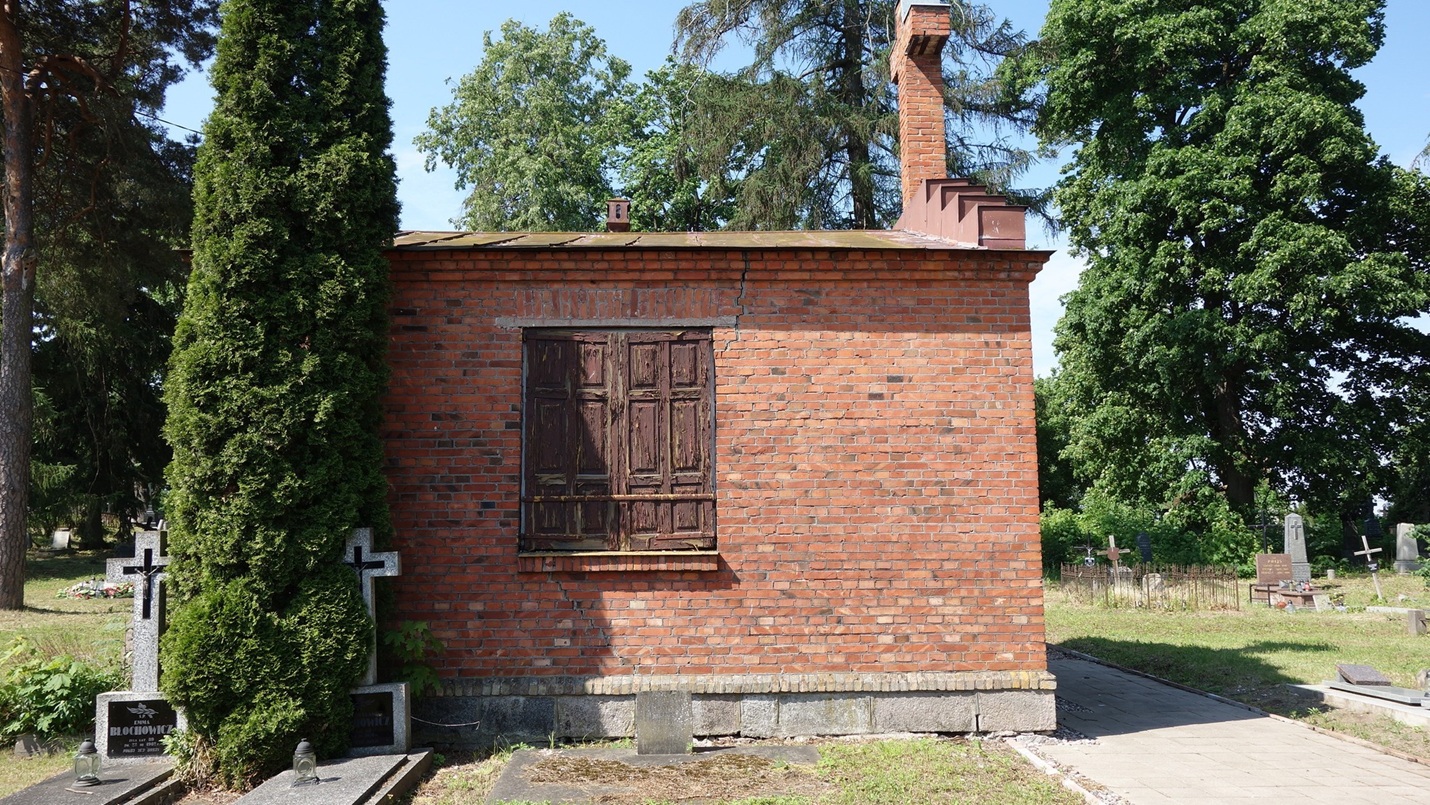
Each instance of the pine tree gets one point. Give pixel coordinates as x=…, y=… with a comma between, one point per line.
x=275, y=383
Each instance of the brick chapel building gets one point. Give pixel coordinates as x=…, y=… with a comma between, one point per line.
x=792, y=473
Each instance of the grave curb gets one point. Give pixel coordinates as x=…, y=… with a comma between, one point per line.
x=1078, y=655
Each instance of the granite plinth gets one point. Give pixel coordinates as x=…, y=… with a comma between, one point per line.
x=382, y=720
x=130, y=726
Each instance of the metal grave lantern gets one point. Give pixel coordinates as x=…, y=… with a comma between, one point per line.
x=305, y=764
x=86, y=764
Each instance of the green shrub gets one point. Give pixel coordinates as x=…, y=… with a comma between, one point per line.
x=49, y=696
x=406, y=648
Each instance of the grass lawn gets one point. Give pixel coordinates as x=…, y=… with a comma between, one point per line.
x=885, y=772
x=92, y=630
x=1252, y=655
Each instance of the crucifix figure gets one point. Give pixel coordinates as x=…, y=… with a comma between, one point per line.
x=146, y=570
x=1088, y=560
x=359, y=556
x=1370, y=565
x=1114, y=553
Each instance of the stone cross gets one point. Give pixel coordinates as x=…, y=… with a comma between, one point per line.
x=1371, y=566
x=368, y=565
x=1295, y=547
x=1407, y=552
x=146, y=570
x=1114, y=553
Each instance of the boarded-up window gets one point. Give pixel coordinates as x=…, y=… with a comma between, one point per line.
x=618, y=441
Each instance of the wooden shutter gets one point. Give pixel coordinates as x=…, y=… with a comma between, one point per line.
x=618, y=441
x=567, y=502
x=666, y=473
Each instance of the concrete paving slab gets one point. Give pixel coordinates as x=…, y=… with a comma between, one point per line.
x=515, y=784
x=1153, y=743
x=119, y=784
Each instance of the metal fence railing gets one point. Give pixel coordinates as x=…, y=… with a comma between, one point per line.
x=1153, y=586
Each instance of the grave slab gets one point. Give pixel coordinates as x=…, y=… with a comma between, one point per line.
x=1414, y=715
x=1406, y=696
x=342, y=782
x=665, y=722
x=515, y=785
x=1353, y=674
x=118, y=785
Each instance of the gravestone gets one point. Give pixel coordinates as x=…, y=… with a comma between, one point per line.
x=1273, y=568
x=1415, y=622
x=1295, y=547
x=665, y=722
x=1407, y=552
x=1144, y=546
x=1361, y=674
x=131, y=724
x=60, y=539
x=382, y=714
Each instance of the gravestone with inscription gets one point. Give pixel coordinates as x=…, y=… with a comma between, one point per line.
x=1295, y=547
x=382, y=714
x=665, y=722
x=1273, y=568
x=1144, y=547
x=131, y=724
x=1407, y=551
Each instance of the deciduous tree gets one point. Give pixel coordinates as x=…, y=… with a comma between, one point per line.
x=535, y=130
x=1244, y=315
x=274, y=391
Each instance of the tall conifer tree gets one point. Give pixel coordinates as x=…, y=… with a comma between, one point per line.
x=275, y=382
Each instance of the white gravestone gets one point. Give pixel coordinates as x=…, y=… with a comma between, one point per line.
x=382, y=720
x=1296, y=547
x=130, y=725
x=1407, y=552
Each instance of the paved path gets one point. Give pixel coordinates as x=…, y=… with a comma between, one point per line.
x=1152, y=743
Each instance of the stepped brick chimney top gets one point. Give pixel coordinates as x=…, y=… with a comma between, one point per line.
x=934, y=204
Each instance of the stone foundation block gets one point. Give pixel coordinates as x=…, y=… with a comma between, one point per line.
x=825, y=714
x=595, y=716
x=926, y=712
x=1017, y=711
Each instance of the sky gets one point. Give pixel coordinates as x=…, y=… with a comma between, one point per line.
x=434, y=42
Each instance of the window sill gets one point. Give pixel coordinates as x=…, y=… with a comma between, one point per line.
x=617, y=561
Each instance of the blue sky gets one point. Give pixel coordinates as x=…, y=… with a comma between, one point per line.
x=432, y=41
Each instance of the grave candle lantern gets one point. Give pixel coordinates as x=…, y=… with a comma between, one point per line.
x=305, y=764
x=86, y=764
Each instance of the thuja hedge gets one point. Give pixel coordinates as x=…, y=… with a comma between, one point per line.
x=274, y=388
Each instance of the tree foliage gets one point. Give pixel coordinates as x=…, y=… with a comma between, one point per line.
x=87, y=208
x=274, y=390
x=1252, y=264
x=535, y=129
x=814, y=120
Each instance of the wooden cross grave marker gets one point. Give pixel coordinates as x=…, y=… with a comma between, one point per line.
x=1114, y=553
x=146, y=570
x=368, y=565
x=1370, y=565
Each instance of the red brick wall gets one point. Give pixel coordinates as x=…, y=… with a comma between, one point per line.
x=876, y=475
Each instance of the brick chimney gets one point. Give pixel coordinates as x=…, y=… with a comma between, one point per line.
x=951, y=209
x=618, y=215
x=917, y=67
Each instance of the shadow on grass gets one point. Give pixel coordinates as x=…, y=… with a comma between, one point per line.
x=1101, y=701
